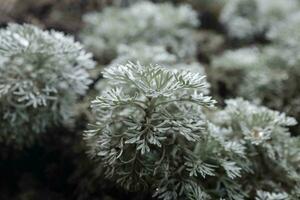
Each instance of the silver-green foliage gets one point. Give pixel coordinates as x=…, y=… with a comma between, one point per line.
x=273, y=155
x=286, y=31
x=247, y=72
x=245, y=19
x=151, y=133
x=41, y=75
x=154, y=54
x=143, y=53
x=285, y=36
x=284, y=54
x=160, y=24
x=262, y=195
x=148, y=55
x=269, y=74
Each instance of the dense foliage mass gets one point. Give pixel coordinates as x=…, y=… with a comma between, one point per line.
x=41, y=75
x=272, y=154
x=154, y=129
x=152, y=133
x=269, y=74
x=160, y=24
x=246, y=19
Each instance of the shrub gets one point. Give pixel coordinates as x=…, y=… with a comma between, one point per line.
x=246, y=19
x=154, y=54
x=250, y=75
x=154, y=133
x=159, y=24
x=271, y=152
x=41, y=75
x=151, y=134
x=269, y=75
x=148, y=55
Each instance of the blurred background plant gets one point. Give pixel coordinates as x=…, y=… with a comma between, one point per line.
x=247, y=19
x=159, y=24
x=266, y=73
